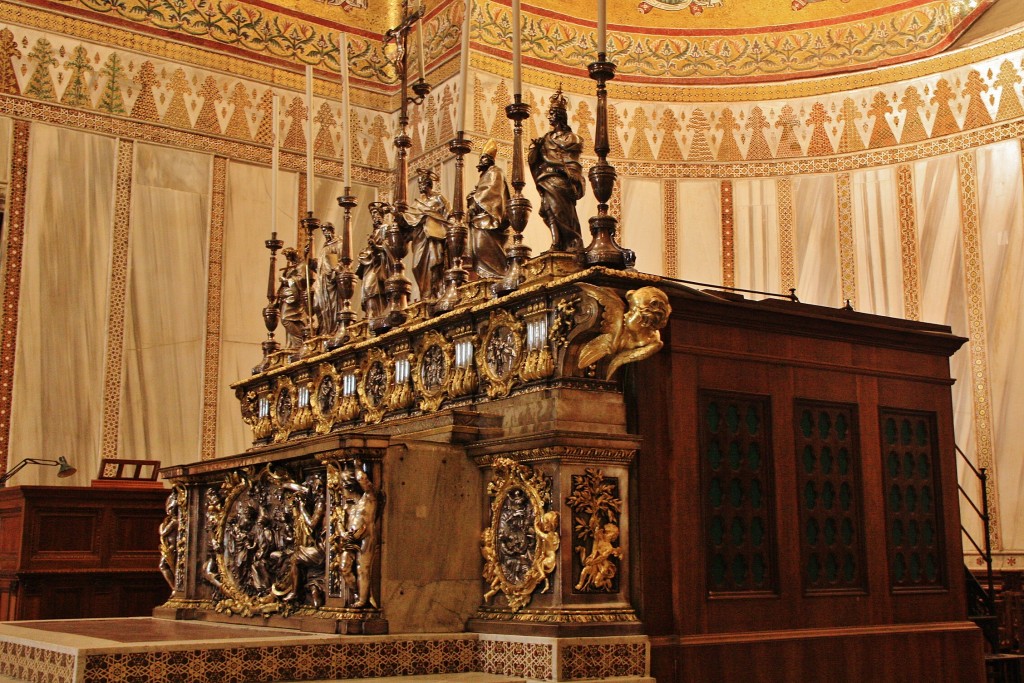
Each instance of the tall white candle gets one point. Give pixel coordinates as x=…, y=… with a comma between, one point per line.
x=309, y=138
x=419, y=35
x=275, y=154
x=460, y=123
x=346, y=141
x=602, y=25
x=517, y=50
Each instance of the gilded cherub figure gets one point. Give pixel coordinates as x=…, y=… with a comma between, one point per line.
x=627, y=336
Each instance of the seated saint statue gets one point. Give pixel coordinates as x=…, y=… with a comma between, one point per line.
x=375, y=263
x=428, y=216
x=487, y=216
x=554, y=161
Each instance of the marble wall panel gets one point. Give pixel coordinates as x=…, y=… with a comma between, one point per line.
x=58, y=377
x=876, y=240
x=1001, y=213
x=165, y=312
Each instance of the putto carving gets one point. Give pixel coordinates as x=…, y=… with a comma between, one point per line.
x=626, y=336
x=520, y=545
x=356, y=506
x=596, y=508
x=172, y=533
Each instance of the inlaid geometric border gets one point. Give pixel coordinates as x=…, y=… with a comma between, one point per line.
x=787, y=239
x=113, y=364
x=603, y=660
x=214, y=292
x=847, y=255
x=670, y=223
x=516, y=658
x=974, y=286
x=728, y=235
x=36, y=664
x=12, y=278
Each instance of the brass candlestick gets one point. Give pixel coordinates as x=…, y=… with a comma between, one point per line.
x=604, y=250
x=271, y=313
x=519, y=207
x=347, y=285
x=310, y=224
x=457, y=231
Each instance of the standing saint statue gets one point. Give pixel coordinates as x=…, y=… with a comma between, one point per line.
x=487, y=216
x=292, y=298
x=375, y=263
x=327, y=292
x=428, y=216
x=554, y=161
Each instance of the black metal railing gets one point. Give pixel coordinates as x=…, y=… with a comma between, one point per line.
x=981, y=600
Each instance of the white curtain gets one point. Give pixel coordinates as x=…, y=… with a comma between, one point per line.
x=1000, y=185
x=642, y=223
x=755, y=207
x=62, y=315
x=165, y=312
x=244, y=292
x=876, y=239
x=699, y=231
x=816, y=241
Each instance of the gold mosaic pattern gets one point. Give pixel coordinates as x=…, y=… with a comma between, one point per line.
x=741, y=55
x=974, y=284
x=511, y=658
x=670, y=200
x=36, y=665
x=847, y=255
x=114, y=361
x=908, y=241
x=12, y=282
x=787, y=239
x=214, y=290
x=604, y=660
x=728, y=236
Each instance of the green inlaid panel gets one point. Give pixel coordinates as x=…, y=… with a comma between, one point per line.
x=913, y=521
x=737, y=493
x=828, y=477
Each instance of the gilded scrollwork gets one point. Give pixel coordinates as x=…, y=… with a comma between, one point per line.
x=266, y=542
x=283, y=408
x=326, y=399
x=432, y=370
x=520, y=545
x=356, y=504
x=499, y=356
x=596, y=508
x=626, y=336
x=376, y=379
x=303, y=419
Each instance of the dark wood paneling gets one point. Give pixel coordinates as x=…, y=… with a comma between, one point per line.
x=70, y=552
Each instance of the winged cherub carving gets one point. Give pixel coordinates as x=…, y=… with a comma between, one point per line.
x=627, y=336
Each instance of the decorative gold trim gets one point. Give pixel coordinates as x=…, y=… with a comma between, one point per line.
x=375, y=407
x=564, y=454
x=787, y=237
x=909, y=247
x=113, y=366
x=728, y=235
x=974, y=283
x=12, y=278
x=559, y=615
x=596, y=509
x=844, y=225
x=214, y=290
x=670, y=226
x=499, y=358
x=434, y=344
x=520, y=497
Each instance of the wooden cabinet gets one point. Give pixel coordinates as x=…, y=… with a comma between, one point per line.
x=74, y=552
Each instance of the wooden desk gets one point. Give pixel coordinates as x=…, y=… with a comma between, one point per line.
x=73, y=552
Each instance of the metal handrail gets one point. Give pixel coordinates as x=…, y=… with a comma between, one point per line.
x=983, y=513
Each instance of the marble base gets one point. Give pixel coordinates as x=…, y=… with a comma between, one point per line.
x=117, y=650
